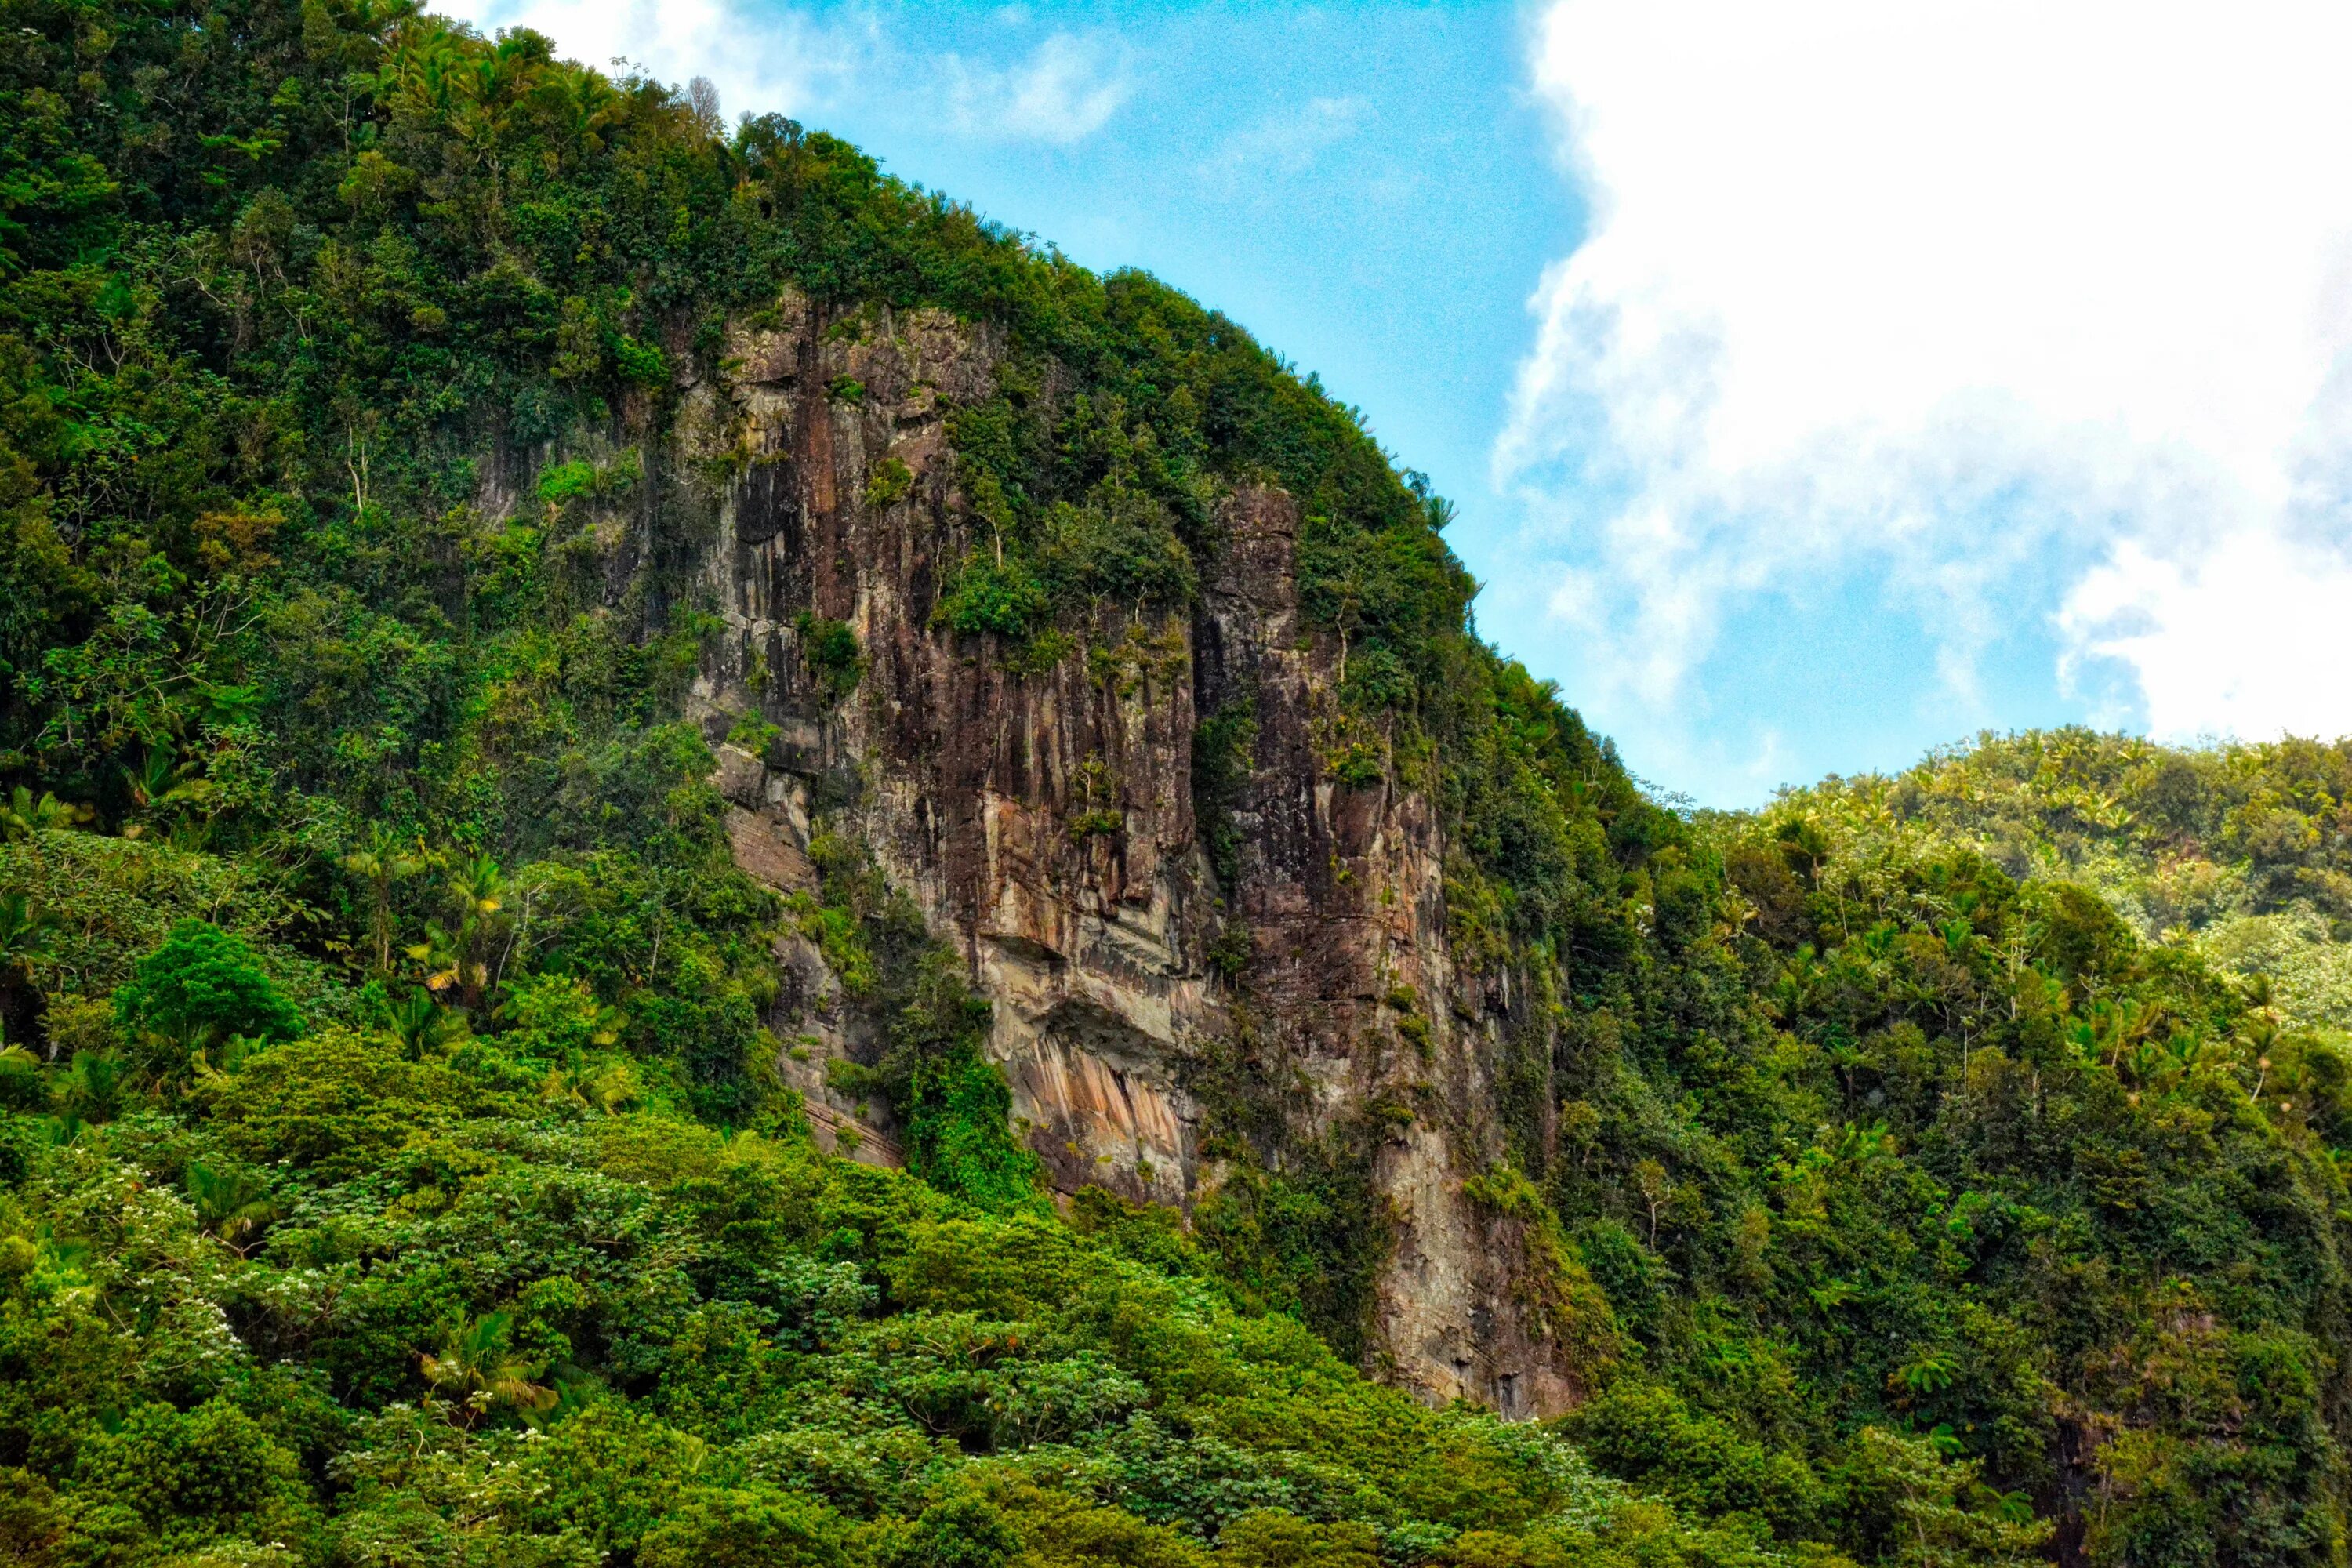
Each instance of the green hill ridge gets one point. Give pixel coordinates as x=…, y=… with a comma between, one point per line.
x=397, y=1167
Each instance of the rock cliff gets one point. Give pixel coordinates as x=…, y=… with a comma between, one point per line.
x=1057, y=826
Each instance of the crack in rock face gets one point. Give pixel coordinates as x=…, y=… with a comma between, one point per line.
x=1098, y=948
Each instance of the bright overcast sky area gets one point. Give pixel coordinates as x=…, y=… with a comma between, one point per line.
x=1819, y=382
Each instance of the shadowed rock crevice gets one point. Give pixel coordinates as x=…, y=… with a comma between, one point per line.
x=1043, y=816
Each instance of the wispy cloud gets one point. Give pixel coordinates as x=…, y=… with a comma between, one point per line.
x=2007, y=303
x=1066, y=89
x=1290, y=140
x=779, y=59
x=798, y=60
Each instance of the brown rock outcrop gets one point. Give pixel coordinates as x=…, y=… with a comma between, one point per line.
x=991, y=796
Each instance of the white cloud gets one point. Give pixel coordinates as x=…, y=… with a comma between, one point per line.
x=776, y=61
x=1956, y=291
x=1065, y=92
x=2179, y=622
x=775, y=58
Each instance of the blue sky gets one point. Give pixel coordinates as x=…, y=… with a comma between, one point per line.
x=1817, y=384
x=1351, y=185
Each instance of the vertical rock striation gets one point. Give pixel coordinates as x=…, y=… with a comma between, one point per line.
x=1050, y=824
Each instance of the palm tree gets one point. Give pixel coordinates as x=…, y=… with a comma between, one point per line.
x=380, y=864
x=21, y=815
x=160, y=780
x=478, y=888
x=478, y=1367
x=234, y=1205
x=421, y=1025
x=15, y=1059
x=443, y=954
x=25, y=937
x=608, y=1084
x=93, y=1088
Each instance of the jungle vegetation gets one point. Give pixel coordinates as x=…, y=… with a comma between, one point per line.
x=393, y=1169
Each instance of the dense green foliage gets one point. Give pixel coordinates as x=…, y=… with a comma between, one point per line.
x=2242, y=853
x=392, y=1170
x=952, y=1107
x=464, y=1326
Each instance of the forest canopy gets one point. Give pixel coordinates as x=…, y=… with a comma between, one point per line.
x=394, y=1169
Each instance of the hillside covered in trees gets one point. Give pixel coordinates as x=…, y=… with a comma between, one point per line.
x=404, y=1158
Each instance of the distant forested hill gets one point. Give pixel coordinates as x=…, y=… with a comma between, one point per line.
x=2242, y=853
x=575, y=679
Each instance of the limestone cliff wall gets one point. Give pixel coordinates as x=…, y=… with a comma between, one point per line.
x=986, y=794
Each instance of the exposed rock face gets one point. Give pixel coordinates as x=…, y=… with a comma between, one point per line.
x=1046, y=823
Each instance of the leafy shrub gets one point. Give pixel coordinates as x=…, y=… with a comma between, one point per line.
x=1272, y=1539
x=202, y=986
x=891, y=480
x=1643, y=1433
x=988, y=597
x=840, y=937
x=640, y=363
x=831, y=650
x=208, y=1472
x=560, y=482
x=951, y=1100
x=958, y=1533
x=570, y=481
x=338, y=1101
x=753, y=733
x=736, y=1528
